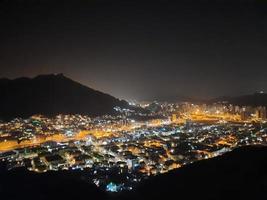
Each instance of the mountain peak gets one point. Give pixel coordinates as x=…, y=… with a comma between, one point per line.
x=55, y=75
x=52, y=94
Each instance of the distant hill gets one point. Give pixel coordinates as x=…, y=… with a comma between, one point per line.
x=177, y=99
x=51, y=95
x=256, y=99
x=240, y=174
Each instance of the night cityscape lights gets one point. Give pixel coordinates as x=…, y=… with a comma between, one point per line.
x=117, y=152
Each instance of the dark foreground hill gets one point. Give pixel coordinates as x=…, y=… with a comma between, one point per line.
x=65, y=185
x=50, y=95
x=240, y=174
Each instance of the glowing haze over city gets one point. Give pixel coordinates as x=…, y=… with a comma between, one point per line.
x=117, y=95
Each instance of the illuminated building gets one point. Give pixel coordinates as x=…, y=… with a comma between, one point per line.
x=188, y=124
x=112, y=187
x=261, y=113
x=174, y=118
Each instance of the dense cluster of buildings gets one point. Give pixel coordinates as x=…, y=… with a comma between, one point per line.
x=117, y=152
x=217, y=110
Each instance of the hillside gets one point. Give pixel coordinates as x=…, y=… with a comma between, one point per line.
x=24, y=185
x=50, y=95
x=240, y=174
x=256, y=99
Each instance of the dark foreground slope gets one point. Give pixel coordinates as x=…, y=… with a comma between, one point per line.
x=241, y=174
x=50, y=95
x=65, y=185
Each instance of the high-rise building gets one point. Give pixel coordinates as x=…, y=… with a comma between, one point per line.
x=174, y=118
x=261, y=112
x=245, y=114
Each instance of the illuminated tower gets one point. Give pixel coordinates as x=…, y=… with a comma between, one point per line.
x=174, y=118
x=261, y=113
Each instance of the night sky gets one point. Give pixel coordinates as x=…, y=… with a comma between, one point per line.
x=139, y=49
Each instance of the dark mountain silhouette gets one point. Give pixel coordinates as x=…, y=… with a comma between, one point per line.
x=50, y=95
x=240, y=174
x=177, y=98
x=256, y=99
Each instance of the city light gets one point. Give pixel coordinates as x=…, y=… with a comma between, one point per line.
x=133, y=149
